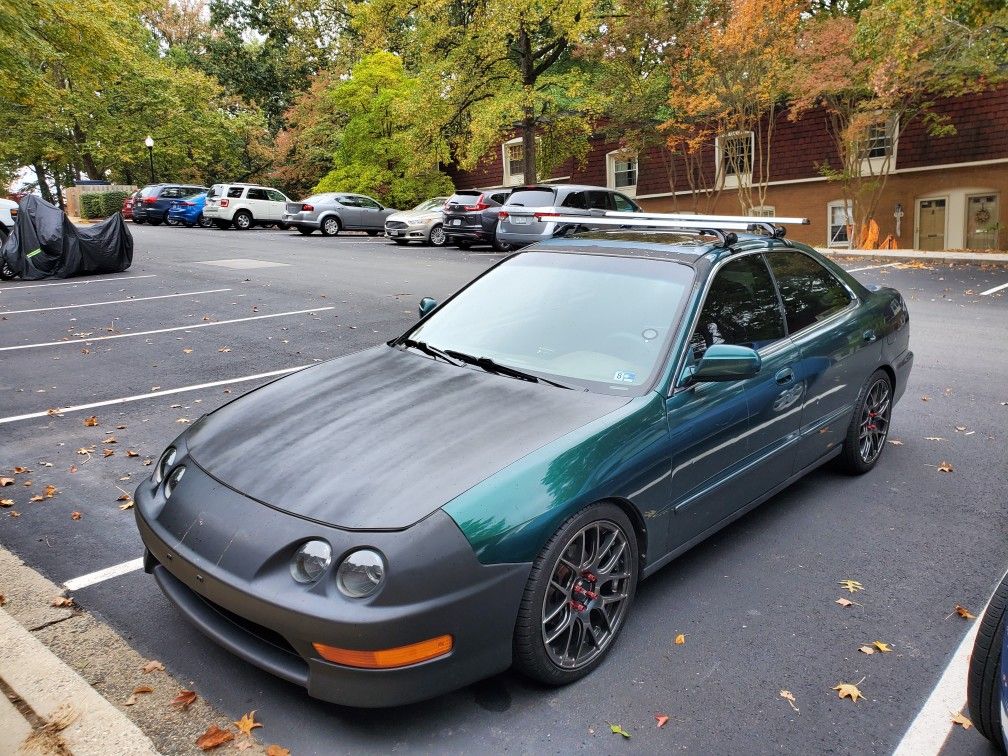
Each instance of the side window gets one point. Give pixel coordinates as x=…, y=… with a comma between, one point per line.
x=810, y=292
x=171, y=193
x=741, y=308
x=348, y=201
x=235, y=191
x=623, y=205
x=598, y=200
x=368, y=204
x=575, y=199
x=276, y=196
x=256, y=194
x=500, y=197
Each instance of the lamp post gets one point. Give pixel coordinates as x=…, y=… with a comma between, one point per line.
x=149, y=141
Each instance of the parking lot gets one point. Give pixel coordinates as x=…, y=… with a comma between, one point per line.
x=203, y=316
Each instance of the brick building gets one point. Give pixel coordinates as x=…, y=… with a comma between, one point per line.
x=949, y=192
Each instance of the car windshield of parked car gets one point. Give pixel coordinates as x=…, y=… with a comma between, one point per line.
x=532, y=198
x=432, y=204
x=596, y=322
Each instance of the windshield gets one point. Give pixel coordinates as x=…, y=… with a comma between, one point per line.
x=594, y=321
x=432, y=204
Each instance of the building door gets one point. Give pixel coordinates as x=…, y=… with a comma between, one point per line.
x=931, y=224
x=982, y=221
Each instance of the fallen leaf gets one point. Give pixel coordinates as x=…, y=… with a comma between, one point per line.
x=184, y=699
x=895, y=442
x=182, y=420
x=866, y=650
x=37, y=498
x=54, y=412
x=6, y=482
x=153, y=666
x=962, y=719
x=247, y=723
x=944, y=467
x=126, y=505
x=50, y=491
x=661, y=719
x=148, y=462
x=2, y=600
x=960, y=428
x=143, y=689
x=107, y=453
x=213, y=737
x=73, y=468
x=75, y=515
x=124, y=497
x=617, y=730
x=925, y=398
x=844, y=602
x=187, y=351
x=130, y=701
x=848, y=690
x=131, y=453
x=6, y=502
x=963, y=612
x=933, y=438
x=224, y=349
x=274, y=750
x=62, y=601
x=27, y=484
x=92, y=421
x=20, y=470
x=680, y=639
x=852, y=585
x=110, y=440
x=788, y=696
x=885, y=648
x=13, y=514
x=244, y=745
x=85, y=450
x=120, y=427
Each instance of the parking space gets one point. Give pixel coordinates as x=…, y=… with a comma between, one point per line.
x=179, y=334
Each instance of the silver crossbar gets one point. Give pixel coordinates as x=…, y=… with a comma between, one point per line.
x=639, y=220
x=712, y=220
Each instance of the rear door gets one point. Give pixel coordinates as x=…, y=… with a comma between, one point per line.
x=521, y=206
x=258, y=203
x=349, y=212
x=277, y=202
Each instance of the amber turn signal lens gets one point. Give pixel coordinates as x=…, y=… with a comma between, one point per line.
x=389, y=658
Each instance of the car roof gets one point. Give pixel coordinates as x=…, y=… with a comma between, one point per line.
x=562, y=187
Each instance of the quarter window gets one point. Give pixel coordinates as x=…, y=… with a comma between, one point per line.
x=810, y=292
x=741, y=308
x=236, y=191
x=624, y=205
x=575, y=199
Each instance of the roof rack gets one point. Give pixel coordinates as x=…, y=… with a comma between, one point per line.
x=718, y=226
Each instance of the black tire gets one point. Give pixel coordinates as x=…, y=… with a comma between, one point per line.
x=372, y=233
x=463, y=244
x=501, y=246
x=203, y=222
x=283, y=226
x=437, y=236
x=983, y=683
x=400, y=242
x=853, y=459
x=154, y=221
x=330, y=226
x=305, y=231
x=169, y=221
x=222, y=225
x=139, y=221
x=242, y=220
x=530, y=653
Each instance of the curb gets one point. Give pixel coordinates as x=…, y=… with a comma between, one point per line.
x=992, y=258
x=56, y=694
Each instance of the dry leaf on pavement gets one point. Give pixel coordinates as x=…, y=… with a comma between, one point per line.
x=62, y=601
x=51, y=491
x=274, y=750
x=885, y=648
x=92, y=421
x=153, y=666
x=213, y=737
x=126, y=505
x=247, y=723
x=75, y=515
x=131, y=453
x=20, y=470
x=866, y=650
x=617, y=730
x=845, y=602
x=661, y=719
x=945, y=467
x=852, y=585
x=680, y=639
x=962, y=719
x=184, y=699
x=788, y=696
x=6, y=502
x=848, y=690
x=37, y=497
x=6, y=482
x=895, y=442
x=963, y=612
x=142, y=689
x=110, y=440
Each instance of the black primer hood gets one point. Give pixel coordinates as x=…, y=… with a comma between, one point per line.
x=382, y=438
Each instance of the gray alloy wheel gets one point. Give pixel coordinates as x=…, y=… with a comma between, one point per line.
x=203, y=222
x=170, y=221
x=330, y=226
x=869, y=426
x=438, y=238
x=242, y=220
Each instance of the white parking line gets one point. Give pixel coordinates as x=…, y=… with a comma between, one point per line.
x=101, y=575
x=996, y=288
x=933, y=723
x=18, y=287
x=114, y=301
x=163, y=330
x=152, y=394
x=873, y=267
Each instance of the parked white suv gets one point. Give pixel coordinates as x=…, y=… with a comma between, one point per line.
x=8, y=212
x=244, y=206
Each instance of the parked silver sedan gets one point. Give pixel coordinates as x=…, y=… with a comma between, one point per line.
x=424, y=223
x=333, y=212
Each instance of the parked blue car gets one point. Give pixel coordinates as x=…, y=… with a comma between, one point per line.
x=189, y=211
x=987, y=683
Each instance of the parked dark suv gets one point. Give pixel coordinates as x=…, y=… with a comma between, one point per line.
x=151, y=204
x=470, y=216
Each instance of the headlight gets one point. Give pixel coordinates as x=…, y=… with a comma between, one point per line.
x=173, y=480
x=361, y=573
x=310, y=561
x=163, y=464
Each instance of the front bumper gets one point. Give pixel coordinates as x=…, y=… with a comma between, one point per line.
x=223, y=559
x=188, y=216
x=409, y=233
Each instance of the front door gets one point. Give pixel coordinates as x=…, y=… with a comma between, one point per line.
x=371, y=217
x=276, y=205
x=728, y=438
x=931, y=225
x=982, y=221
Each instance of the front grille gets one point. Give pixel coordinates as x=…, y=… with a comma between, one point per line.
x=262, y=633
x=394, y=224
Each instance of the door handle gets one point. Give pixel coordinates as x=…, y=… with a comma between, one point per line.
x=870, y=336
x=784, y=375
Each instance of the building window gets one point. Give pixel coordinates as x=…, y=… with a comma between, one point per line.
x=840, y=219
x=621, y=171
x=734, y=154
x=514, y=162
x=762, y=211
x=879, y=147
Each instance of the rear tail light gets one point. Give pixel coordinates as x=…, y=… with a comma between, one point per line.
x=541, y=216
x=149, y=200
x=223, y=203
x=189, y=204
x=502, y=215
x=307, y=208
x=480, y=205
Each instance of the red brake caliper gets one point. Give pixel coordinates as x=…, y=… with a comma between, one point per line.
x=582, y=590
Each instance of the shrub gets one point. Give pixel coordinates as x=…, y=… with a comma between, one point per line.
x=112, y=202
x=91, y=206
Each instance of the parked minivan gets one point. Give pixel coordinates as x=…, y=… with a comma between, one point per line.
x=245, y=205
x=523, y=219
x=151, y=204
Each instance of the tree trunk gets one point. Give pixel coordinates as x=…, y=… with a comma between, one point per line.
x=59, y=190
x=529, y=147
x=43, y=184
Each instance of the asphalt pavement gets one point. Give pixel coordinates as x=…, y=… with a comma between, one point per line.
x=756, y=602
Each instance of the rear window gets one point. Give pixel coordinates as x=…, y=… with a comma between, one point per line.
x=532, y=198
x=235, y=191
x=215, y=191
x=463, y=198
x=150, y=191
x=319, y=198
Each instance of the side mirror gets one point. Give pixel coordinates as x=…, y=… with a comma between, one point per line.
x=427, y=304
x=724, y=362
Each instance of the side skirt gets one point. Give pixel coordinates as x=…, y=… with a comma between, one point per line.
x=657, y=565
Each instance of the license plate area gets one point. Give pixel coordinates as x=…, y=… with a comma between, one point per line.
x=520, y=220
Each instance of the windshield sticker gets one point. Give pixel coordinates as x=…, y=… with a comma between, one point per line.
x=624, y=376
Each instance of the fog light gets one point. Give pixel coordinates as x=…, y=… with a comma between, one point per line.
x=173, y=480
x=166, y=461
x=361, y=573
x=310, y=561
x=387, y=658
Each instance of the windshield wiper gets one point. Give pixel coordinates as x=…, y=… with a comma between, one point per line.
x=495, y=367
x=432, y=351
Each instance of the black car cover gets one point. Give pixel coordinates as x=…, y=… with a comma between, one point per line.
x=45, y=244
